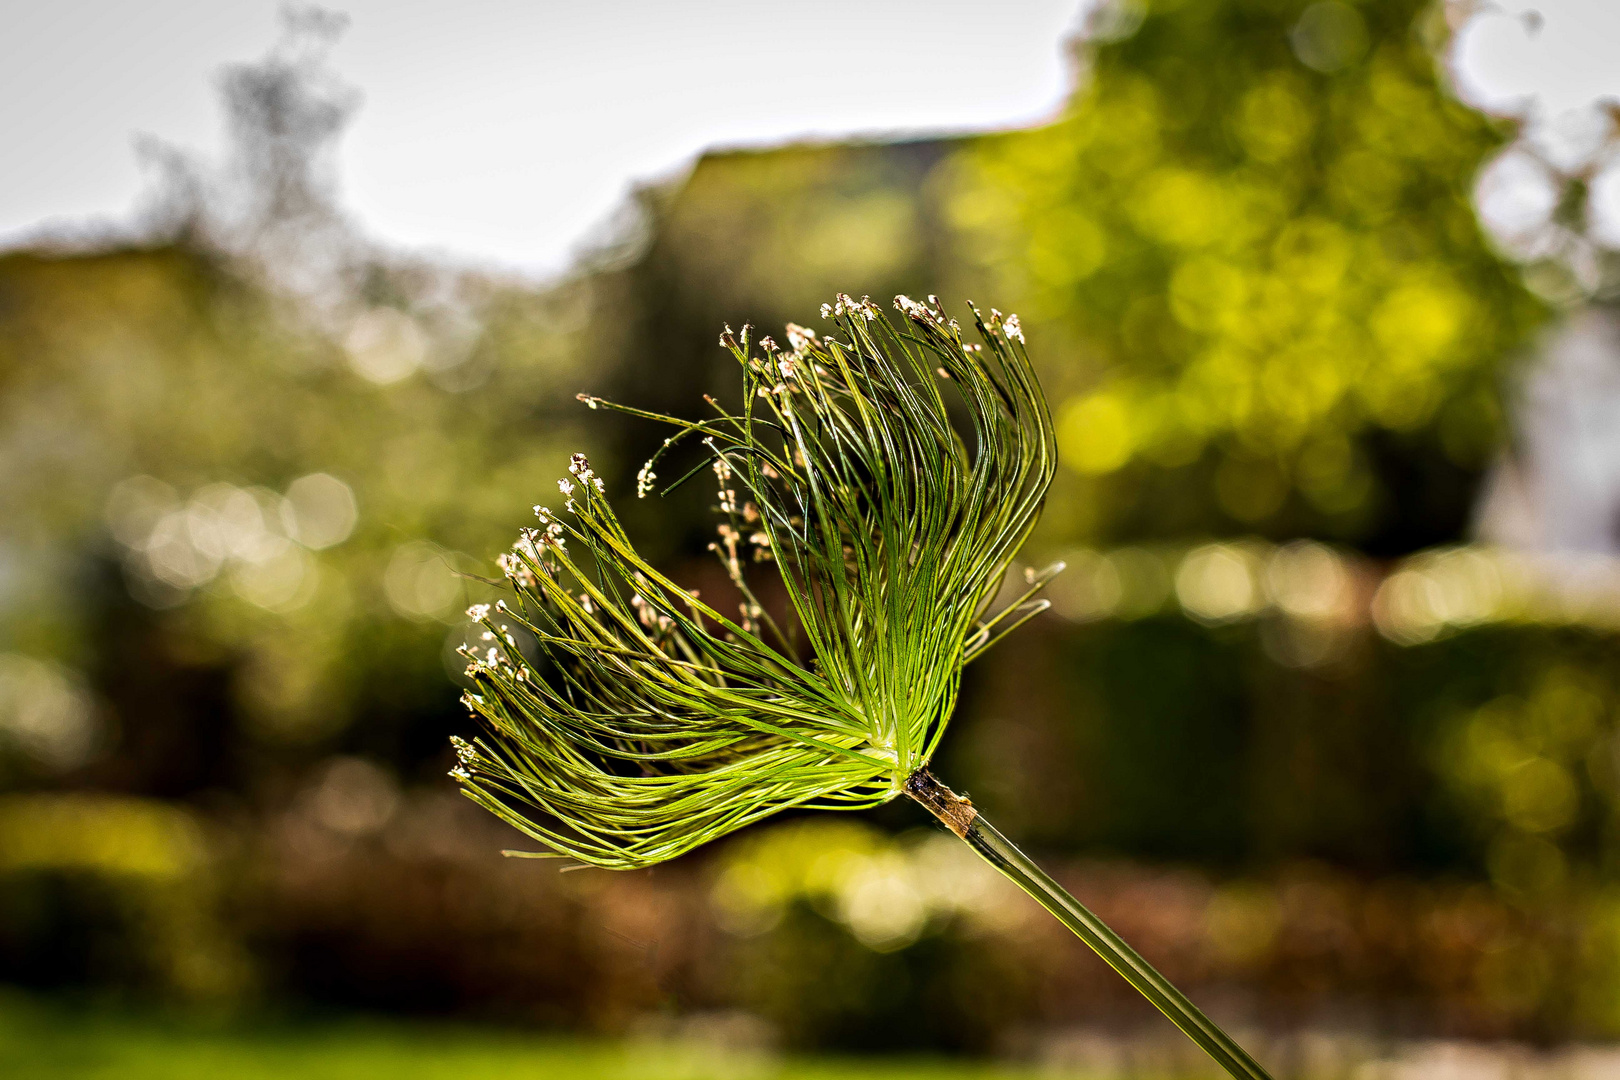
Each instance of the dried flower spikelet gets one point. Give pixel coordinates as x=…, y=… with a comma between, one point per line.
x=580, y=466
x=590, y=402
x=769, y=344
x=1010, y=326
x=800, y=338
x=564, y=486
x=912, y=310
x=727, y=548
x=515, y=569
x=847, y=305
x=762, y=546
x=478, y=612
x=728, y=339
x=644, y=480
x=525, y=544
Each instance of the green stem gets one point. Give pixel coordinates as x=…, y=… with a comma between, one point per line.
x=961, y=818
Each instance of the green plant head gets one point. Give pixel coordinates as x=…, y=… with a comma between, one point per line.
x=887, y=475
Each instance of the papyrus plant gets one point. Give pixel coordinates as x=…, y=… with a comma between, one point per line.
x=886, y=476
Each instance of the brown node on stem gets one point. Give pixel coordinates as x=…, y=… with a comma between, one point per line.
x=956, y=811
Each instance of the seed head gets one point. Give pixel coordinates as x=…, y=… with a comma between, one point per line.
x=657, y=722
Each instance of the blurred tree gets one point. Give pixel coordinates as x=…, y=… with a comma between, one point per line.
x=242, y=455
x=1248, y=253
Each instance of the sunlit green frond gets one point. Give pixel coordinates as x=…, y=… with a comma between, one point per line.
x=888, y=474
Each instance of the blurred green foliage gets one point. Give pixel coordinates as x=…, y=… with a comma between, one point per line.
x=1262, y=273
x=1262, y=299
x=239, y=518
x=849, y=937
x=38, y=1042
x=114, y=892
x=1157, y=736
x=183, y=448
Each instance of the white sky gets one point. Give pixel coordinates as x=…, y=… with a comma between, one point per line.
x=1540, y=56
x=501, y=131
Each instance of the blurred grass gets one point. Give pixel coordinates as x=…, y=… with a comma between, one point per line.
x=47, y=1040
